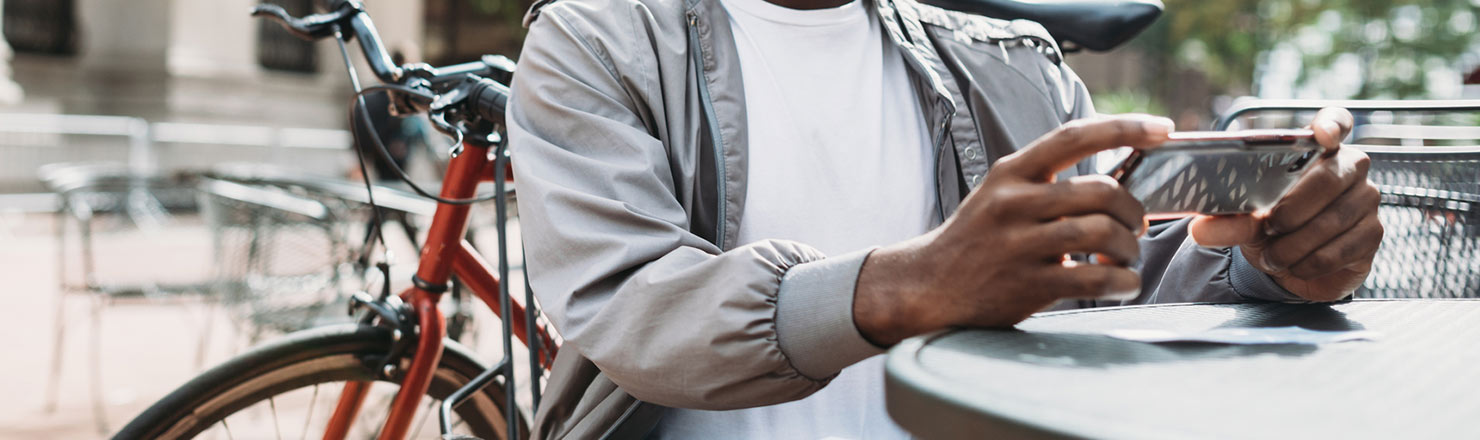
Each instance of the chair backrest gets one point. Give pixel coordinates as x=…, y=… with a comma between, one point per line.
x=1426, y=162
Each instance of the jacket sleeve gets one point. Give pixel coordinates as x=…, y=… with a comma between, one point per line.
x=1173, y=267
x=668, y=316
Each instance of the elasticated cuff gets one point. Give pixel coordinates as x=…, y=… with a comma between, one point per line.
x=1251, y=283
x=814, y=316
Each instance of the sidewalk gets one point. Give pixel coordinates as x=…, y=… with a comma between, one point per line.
x=148, y=347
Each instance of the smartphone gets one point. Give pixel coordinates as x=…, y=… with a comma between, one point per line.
x=1217, y=173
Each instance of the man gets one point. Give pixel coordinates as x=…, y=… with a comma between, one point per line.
x=731, y=207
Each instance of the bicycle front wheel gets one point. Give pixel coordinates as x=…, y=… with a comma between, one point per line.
x=289, y=388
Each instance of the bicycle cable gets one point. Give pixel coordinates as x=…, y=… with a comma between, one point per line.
x=354, y=81
x=362, y=116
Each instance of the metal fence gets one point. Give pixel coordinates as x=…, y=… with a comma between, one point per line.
x=29, y=141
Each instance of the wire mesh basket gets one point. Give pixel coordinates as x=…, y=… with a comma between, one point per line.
x=281, y=258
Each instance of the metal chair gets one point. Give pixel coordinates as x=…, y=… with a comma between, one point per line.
x=1426, y=163
x=348, y=204
x=113, y=201
x=281, y=259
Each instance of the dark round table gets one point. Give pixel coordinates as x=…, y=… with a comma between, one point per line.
x=1057, y=375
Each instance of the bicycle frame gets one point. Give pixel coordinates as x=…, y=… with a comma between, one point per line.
x=444, y=253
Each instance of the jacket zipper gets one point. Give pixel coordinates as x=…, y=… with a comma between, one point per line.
x=943, y=125
x=940, y=141
x=940, y=127
x=696, y=52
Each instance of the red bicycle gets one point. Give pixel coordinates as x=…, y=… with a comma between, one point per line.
x=398, y=345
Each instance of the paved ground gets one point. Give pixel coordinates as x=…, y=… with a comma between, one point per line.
x=147, y=346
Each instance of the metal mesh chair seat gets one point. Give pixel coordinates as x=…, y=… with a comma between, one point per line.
x=1431, y=211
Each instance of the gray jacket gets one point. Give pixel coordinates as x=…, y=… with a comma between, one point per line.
x=628, y=127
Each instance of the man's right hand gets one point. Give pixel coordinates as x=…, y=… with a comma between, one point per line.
x=1002, y=256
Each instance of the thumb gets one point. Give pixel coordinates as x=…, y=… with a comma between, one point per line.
x=1225, y=230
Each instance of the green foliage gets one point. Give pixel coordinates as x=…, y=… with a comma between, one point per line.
x=1392, y=45
x=498, y=8
x=1127, y=101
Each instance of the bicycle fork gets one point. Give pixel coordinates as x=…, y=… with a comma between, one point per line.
x=443, y=243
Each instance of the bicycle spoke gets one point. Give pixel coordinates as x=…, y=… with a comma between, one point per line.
x=228, y=429
x=272, y=406
x=312, y=401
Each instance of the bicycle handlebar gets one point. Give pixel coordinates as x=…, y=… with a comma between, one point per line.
x=349, y=20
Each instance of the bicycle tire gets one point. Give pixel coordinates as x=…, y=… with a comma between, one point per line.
x=311, y=357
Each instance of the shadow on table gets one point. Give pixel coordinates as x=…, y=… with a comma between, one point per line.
x=1310, y=316
x=1100, y=351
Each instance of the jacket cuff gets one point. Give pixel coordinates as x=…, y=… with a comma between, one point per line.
x=814, y=316
x=1251, y=283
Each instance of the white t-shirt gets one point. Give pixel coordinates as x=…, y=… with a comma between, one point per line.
x=839, y=160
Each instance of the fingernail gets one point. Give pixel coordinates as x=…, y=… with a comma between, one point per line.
x=1269, y=230
x=1125, y=295
x=1158, y=127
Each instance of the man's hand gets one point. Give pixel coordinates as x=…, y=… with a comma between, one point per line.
x=1002, y=256
x=1319, y=240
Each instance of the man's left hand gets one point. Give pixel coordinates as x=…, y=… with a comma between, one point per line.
x=1319, y=240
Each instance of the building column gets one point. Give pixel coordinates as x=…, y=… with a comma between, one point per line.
x=124, y=36
x=215, y=38
x=10, y=92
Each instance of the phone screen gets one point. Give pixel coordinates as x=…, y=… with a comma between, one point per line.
x=1216, y=175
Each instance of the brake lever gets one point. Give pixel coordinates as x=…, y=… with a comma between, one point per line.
x=458, y=102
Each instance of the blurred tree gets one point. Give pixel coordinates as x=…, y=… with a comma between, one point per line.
x=1127, y=101
x=1313, y=48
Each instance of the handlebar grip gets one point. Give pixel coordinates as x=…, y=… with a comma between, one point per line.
x=489, y=100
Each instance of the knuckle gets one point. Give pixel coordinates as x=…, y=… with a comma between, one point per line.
x=1327, y=177
x=1099, y=185
x=1371, y=196
x=1282, y=217
x=1281, y=254
x=1375, y=232
x=1324, y=261
x=1332, y=221
x=1359, y=160
x=1126, y=128
x=1097, y=281
x=1007, y=200
x=1098, y=231
x=1073, y=131
x=1008, y=161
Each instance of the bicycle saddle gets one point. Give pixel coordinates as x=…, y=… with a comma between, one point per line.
x=1097, y=25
